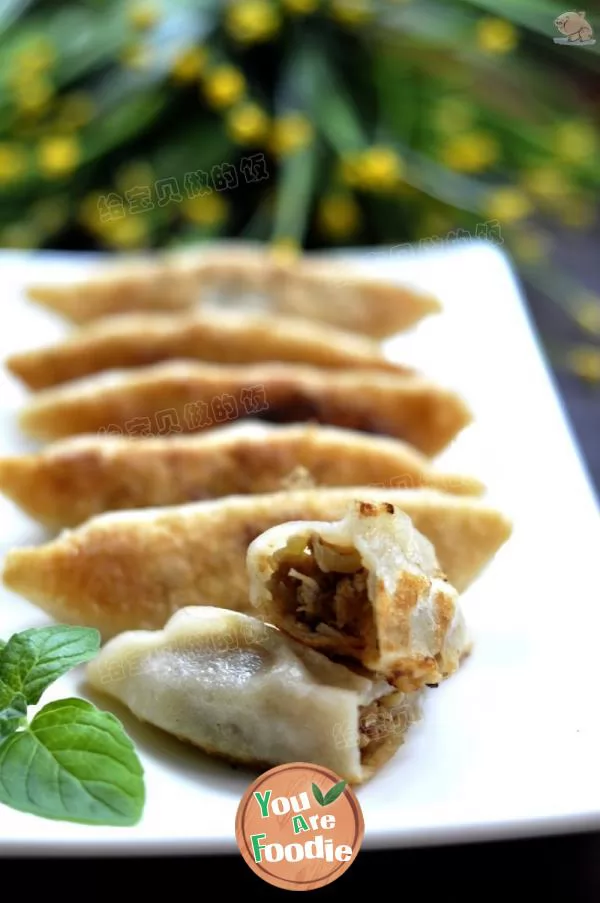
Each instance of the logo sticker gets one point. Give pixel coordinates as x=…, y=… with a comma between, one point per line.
x=299, y=827
x=575, y=27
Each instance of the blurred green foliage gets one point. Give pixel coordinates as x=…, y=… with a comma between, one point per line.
x=316, y=122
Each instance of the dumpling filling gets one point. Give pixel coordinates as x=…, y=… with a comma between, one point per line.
x=366, y=588
x=325, y=588
x=377, y=722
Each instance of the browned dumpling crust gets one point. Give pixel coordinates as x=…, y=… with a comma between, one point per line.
x=133, y=340
x=242, y=278
x=199, y=396
x=133, y=569
x=76, y=478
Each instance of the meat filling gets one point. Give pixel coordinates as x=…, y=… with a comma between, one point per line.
x=379, y=720
x=331, y=602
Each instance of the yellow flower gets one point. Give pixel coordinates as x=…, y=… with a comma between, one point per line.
x=576, y=142
x=189, y=64
x=143, y=15
x=587, y=312
x=470, y=152
x=88, y=213
x=247, y=124
x=251, y=21
x=35, y=96
x=12, y=162
x=508, y=205
x=224, y=86
x=547, y=184
x=137, y=57
x=76, y=109
x=19, y=235
x=403, y=190
x=58, y=156
x=49, y=215
x=496, y=36
x=128, y=232
x=300, y=7
x=285, y=249
x=350, y=170
x=209, y=210
x=578, y=213
x=351, y=12
x=531, y=246
x=452, y=115
x=35, y=57
x=291, y=132
x=133, y=175
x=338, y=215
x=584, y=361
x=378, y=168
x=435, y=224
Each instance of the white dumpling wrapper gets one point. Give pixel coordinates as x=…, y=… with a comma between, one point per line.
x=241, y=689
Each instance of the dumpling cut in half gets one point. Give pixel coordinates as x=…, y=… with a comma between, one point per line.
x=133, y=569
x=367, y=587
x=242, y=690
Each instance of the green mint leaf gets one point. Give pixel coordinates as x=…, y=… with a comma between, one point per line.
x=12, y=715
x=318, y=795
x=333, y=793
x=34, y=659
x=73, y=763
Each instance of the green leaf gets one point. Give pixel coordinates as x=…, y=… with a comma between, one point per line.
x=12, y=716
x=34, y=659
x=333, y=793
x=73, y=763
x=318, y=795
x=334, y=111
x=295, y=190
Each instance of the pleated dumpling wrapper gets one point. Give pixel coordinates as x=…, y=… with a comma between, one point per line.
x=133, y=569
x=367, y=587
x=222, y=337
x=74, y=479
x=242, y=277
x=196, y=396
x=242, y=690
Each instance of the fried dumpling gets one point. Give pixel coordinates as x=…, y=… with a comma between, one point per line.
x=367, y=588
x=199, y=396
x=243, y=278
x=133, y=569
x=134, y=340
x=137, y=284
x=76, y=478
x=241, y=690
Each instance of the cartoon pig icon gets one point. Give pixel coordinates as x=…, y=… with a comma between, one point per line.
x=575, y=26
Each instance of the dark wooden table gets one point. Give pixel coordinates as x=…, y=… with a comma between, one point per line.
x=564, y=869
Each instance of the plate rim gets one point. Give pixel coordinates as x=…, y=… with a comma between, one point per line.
x=120, y=844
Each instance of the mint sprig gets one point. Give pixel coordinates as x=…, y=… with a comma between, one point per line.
x=34, y=659
x=72, y=762
x=12, y=715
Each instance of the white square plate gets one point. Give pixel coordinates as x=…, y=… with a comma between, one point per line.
x=510, y=746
